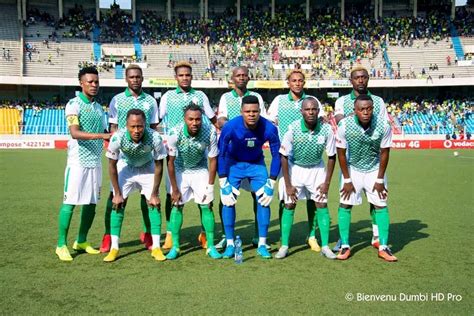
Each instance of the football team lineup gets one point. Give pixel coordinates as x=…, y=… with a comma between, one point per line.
x=295, y=129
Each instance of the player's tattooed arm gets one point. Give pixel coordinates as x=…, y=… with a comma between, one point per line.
x=117, y=200
x=348, y=187
x=379, y=185
x=290, y=190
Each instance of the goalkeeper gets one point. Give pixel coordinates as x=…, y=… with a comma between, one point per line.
x=241, y=157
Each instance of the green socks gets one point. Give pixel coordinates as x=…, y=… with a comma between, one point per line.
x=155, y=220
x=287, y=218
x=208, y=223
x=108, y=211
x=65, y=215
x=383, y=222
x=324, y=222
x=176, y=221
x=145, y=217
x=344, y=219
x=312, y=221
x=372, y=215
x=87, y=217
x=116, y=220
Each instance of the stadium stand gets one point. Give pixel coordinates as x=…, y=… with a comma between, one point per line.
x=9, y=41
x=9, y=121
x=324, y=47
x=256, y=40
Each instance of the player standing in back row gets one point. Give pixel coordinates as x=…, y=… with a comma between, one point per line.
x=83, y=174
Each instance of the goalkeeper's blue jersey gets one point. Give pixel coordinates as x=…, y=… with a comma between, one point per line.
x=240, y=144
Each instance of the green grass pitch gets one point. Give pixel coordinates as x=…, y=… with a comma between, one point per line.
x=430, y=205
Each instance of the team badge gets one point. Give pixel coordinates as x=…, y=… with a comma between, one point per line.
x=250, y=143
x=321, y=139
x=146, y=105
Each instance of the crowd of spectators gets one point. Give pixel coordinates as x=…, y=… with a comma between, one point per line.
x=432, y=115
x=258, y=41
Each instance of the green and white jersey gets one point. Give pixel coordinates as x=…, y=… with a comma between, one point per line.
x=150, y=148
x=86, y=153
x=231, y=103
x=192, y=152
x=304, y=147
x=125, y=101
x=363, y=146
x=173, y=102
x=284, y=110
x=345, y=105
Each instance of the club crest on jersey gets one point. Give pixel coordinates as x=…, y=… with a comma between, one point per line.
x=147, y=148
x=146, y=106
x=321, y=139
x=250, y=143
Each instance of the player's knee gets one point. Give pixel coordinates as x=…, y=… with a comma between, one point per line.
x=290, y=206
x=346, y=206
x=321, y=205
x=376, y=207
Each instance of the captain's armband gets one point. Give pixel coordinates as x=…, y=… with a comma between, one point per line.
x=72, y=120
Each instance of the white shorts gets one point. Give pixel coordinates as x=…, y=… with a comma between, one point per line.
x=363, y=182
x=82, y=185
x=191, y=185
x=140, y=179
x=306, y=181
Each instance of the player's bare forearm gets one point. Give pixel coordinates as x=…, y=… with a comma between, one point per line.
x=285, y=170
x=341, y=155
x=384, y=157
x=172, y=173
x=330, y=169
x=113, y=175
x=158, y=176
x=76, y=133
x=212, y=169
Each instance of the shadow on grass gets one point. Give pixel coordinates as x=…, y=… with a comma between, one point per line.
x=400, y=234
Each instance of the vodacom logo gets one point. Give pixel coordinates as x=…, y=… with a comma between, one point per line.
x=448, y=144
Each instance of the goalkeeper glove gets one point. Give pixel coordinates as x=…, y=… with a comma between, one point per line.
x=266, y=193
x=227, y=192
